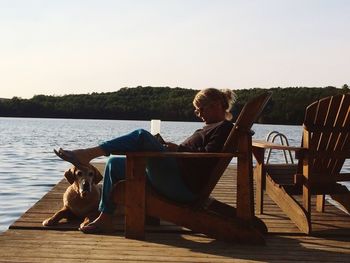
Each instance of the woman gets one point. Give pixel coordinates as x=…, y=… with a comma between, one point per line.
x=179, y=180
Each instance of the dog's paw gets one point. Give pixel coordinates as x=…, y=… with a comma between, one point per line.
x=48, y=222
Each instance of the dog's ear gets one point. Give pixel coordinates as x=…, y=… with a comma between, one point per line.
x=98, y=176
x=69, y=174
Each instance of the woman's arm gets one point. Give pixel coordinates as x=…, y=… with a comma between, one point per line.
x=171, y=147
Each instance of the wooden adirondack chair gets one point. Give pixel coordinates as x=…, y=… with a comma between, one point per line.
x=206, y=215
x=324, y=148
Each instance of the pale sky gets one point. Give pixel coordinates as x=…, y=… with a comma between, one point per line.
x=57, y=47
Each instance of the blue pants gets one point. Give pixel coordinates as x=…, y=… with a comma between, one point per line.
x=163, y=173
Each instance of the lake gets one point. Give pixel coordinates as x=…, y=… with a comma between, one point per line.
x=29, y=168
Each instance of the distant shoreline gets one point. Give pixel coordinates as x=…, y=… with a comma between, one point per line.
x=286, y=107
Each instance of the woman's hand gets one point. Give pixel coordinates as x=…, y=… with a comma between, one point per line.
x=171, y=147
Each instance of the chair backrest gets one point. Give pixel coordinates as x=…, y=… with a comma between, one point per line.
x=241, y=130
x=326, y=135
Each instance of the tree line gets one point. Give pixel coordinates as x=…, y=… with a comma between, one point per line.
x=287, y=105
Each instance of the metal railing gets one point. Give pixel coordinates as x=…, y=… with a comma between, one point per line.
x=274, y=135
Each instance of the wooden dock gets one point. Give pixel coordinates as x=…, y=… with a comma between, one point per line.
x=28, y=241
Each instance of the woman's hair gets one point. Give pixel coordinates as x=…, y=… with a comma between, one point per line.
x=208, y=96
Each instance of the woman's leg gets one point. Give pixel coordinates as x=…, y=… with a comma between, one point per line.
x=138, y=140
x=163, y=174
x=114, y=172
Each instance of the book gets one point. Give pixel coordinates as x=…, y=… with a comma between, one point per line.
x=159, y=138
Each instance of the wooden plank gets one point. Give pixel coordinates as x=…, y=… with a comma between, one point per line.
x=55, y=246
x=169, y=243
x=288, y=205
x=324, y=224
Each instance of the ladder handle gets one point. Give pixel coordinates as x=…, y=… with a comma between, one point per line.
x=271, y=137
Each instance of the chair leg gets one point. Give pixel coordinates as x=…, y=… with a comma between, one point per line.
x=259, y=189
x=259, y=174
x=135, y=192
x=307, y=203
x=320, y=200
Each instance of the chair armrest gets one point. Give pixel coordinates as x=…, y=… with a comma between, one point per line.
x=276, y=146
x=261, y=144
x=180, y=154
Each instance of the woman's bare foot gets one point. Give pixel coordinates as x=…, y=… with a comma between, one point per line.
x=103, y=223
x=74, y=157
x=80, y=156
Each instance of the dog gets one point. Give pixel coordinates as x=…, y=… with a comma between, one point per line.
x=81, y=198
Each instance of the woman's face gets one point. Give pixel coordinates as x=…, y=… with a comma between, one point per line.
x=210, y=113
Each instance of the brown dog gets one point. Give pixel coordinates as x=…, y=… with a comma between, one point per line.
x=82, y=197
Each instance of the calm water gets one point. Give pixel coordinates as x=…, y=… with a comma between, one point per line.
x=29, y=168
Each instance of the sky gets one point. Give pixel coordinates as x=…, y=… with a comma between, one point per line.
x=63, y=47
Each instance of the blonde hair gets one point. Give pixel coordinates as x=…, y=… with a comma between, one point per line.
x=225, y=97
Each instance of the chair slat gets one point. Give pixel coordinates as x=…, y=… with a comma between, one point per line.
x=342, y=143
x=328, y=132
x=319, y=140
x=248, y=115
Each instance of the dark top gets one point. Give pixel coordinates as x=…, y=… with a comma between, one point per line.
x=211, y=138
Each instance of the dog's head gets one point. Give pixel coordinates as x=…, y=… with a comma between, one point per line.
x=83, y=177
